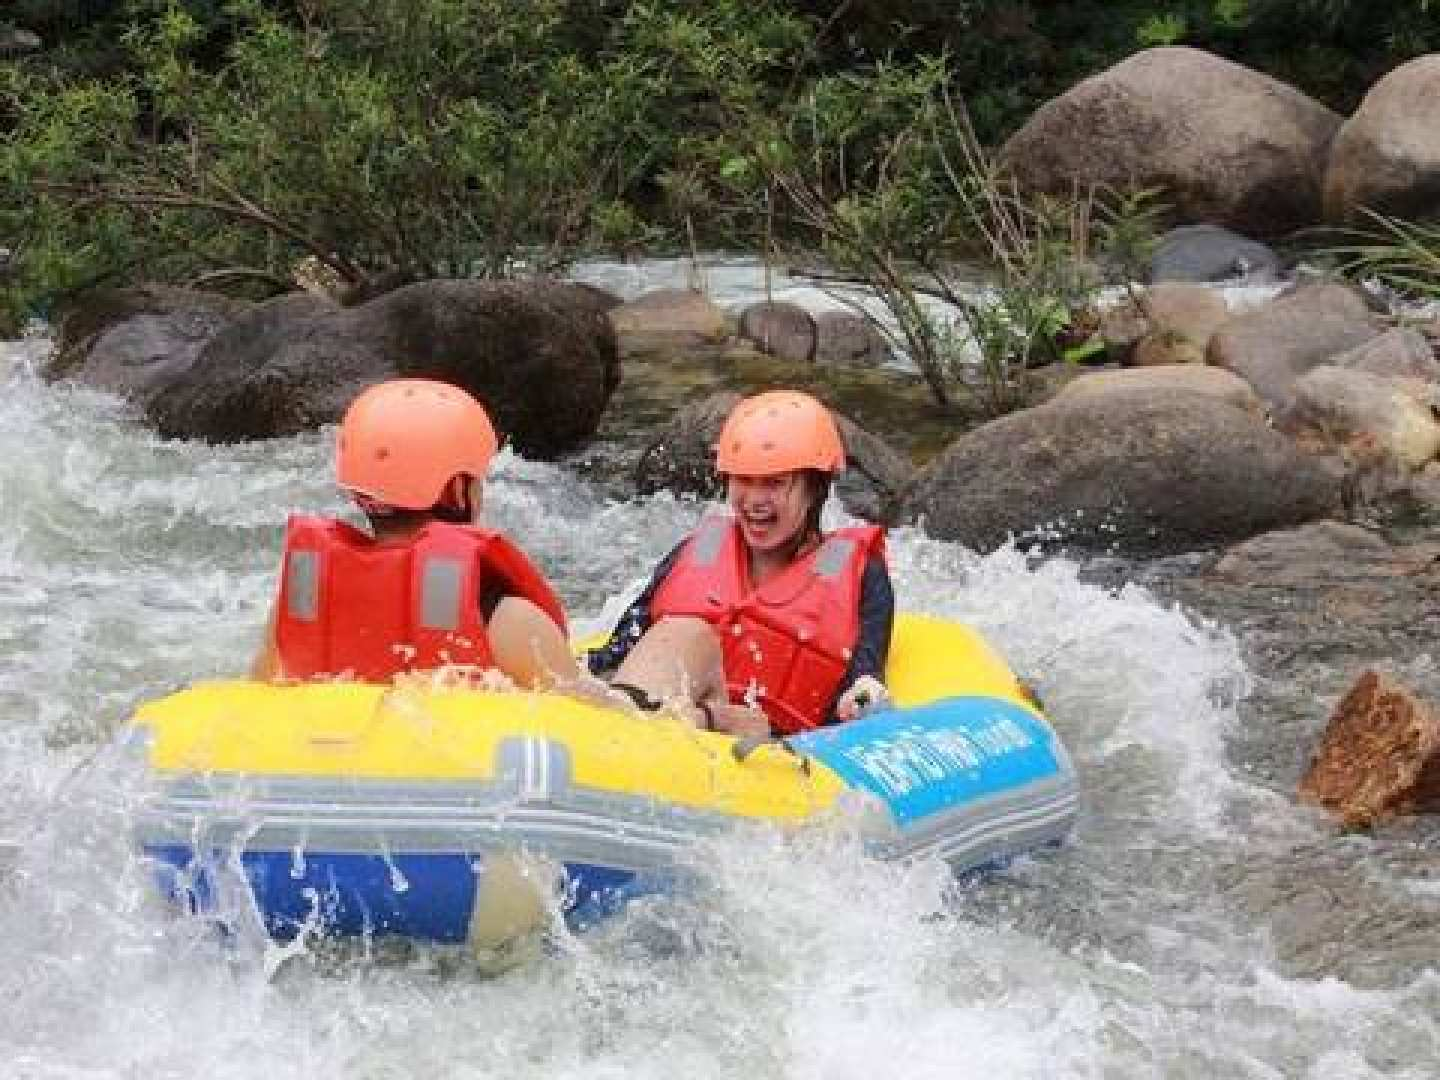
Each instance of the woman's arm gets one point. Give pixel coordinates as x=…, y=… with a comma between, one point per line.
x=864, y=681
x=266, y=665
x=528, y=647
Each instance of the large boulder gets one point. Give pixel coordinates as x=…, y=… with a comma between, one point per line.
x=1274, y=345
x=135, y=341
x=1379, y=756
x=541, y=355
x=1204, y=253
x=681, y=459
x=1144, y=469
x=1386, y=157
x=1227, y=144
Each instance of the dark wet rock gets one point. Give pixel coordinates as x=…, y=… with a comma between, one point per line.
x=669, y=321
x=1386, y=157
x=785, y=331
x=1226, y=144
x=1324, y=551
x=847, y=338
x=539, y=354
x=1273, y=346
x=1139, y=470
x=1379, y=757
x=1201, y=253
x=682, y=460
x=135, y=341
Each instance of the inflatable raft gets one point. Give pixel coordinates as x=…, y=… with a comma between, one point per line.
x=346, y=808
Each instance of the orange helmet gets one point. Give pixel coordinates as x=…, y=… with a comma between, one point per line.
x=403, y=441
x=780, y=431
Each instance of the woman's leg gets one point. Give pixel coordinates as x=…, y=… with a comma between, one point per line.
x=678, y=662
x=678, y=659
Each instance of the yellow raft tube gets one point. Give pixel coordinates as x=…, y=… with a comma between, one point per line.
x=359, y=809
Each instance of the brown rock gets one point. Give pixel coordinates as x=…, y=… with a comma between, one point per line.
x=1337, y=404
x=1227, y=144
x=1402, y=351
x=1166, y=347
x=1192, y=311
x=1197, y=378
x=1379, y=756
x=668, y=320
x=1387, y=156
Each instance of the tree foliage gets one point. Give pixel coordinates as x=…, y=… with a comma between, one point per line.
x=212, y=140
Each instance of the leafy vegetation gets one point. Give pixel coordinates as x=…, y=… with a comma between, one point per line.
x=225, y=141
x=1404, y=255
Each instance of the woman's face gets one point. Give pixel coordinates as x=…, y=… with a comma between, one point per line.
x=771, y=509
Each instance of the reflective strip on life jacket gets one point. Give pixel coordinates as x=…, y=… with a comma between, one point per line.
x=440, y=597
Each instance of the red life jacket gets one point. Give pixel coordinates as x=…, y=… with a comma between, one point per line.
x=351, y=606
x=787, y=644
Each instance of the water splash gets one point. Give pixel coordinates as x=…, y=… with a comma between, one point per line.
x=1153, y=945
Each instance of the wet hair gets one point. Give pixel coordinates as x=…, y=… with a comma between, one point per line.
x=456, y=507
x=817, y=485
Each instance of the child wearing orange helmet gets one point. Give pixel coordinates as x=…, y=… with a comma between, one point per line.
x=763, y=621
x=426, y=586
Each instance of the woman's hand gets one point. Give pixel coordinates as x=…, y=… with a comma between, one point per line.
x=865, y=693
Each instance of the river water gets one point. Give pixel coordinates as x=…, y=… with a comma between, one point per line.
x=1185, y=931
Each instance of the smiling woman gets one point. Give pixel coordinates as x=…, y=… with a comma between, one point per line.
x=759, y=620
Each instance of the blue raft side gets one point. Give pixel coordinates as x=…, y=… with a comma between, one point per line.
x=354, y=893
x=929, y=759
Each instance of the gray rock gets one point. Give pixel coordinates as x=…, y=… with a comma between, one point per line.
x=1320, y=551
x=1225, y=143
x=1273, y=346
x=14, y=41
x=540, y=355
x=781, y=330
x=848, y=339
x=1143, y=470
x=1204, y=253
x=135, y=341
